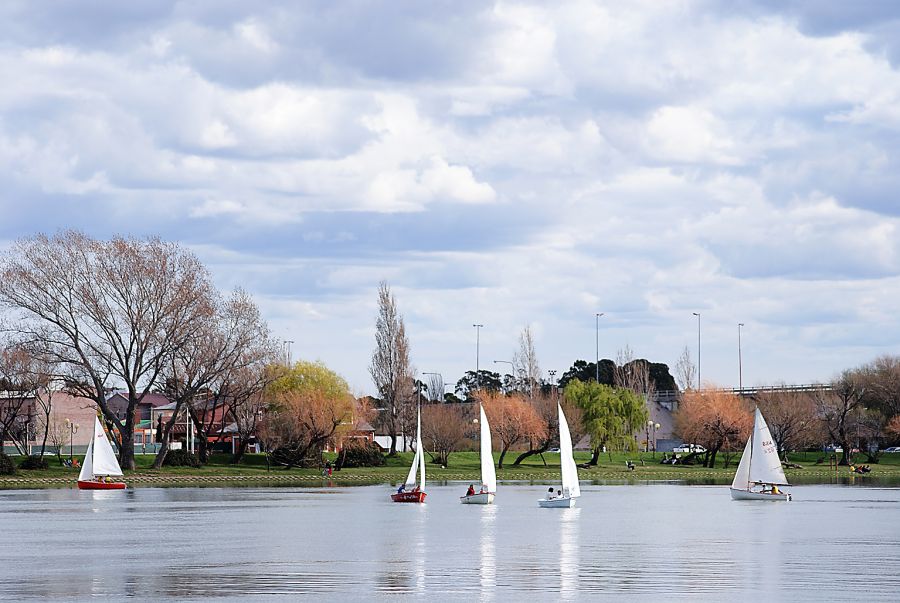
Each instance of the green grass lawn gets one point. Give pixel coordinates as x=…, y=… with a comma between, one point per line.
x=463, y=466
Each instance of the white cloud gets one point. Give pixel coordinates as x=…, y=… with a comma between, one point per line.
x=516, y=163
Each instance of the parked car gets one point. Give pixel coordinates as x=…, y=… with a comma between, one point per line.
x=833, y=448
x=892, y=449
x=685, y=448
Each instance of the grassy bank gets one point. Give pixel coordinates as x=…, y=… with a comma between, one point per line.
x=464, y=466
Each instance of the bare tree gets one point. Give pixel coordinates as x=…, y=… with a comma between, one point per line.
x=16, y=399
x=685, y=370
x=512, y=419
x=443, y=427
x=231, y=338
x=244, y=393
x=525, y=361
x=390, y=368
x=112, y=313
x=791, y=417
x=836, y=408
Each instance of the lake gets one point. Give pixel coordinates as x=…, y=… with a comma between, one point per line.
x=657, y=542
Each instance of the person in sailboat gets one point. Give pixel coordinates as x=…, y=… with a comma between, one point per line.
x=775, y=489
x=471, y=490
x=550, y=494
x=559, y=493
x=401, y=489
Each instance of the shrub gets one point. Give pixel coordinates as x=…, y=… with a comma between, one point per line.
x=7, y=467
x=181, y=458
x=33, y=463
x=361, y=454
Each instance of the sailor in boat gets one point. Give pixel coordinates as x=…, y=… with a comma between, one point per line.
x=559, y=493
x=401, y=489
x=550, y=495
x=775, y=489
x=471, y=490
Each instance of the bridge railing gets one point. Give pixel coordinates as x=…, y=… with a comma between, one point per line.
x=671, y=397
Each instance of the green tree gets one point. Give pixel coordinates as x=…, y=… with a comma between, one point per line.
x=610, y=415
x=472, y=381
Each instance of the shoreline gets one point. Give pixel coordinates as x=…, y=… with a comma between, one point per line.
x=349, y=478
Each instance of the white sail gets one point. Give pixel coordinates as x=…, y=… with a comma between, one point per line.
x=488, y=473
x=742, y=477
x=87, y=468
x=411, y=477
x=765, y=465
x=420, y=452
x=100, y=458
x=567, y=461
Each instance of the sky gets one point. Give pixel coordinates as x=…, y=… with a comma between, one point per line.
x=509, y=164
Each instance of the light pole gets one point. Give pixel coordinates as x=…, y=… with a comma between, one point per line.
x=287, y=343
x=655, y=429
x=597, y=362
x=73, y=427
x=442, y=383
x=477, y=351
x=512, y=368
x=697, y=314
x=553, y=382
x=647, y=432
x=740, y=362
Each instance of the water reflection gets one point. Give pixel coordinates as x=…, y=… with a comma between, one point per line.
x=568, y=553
x=487, y=539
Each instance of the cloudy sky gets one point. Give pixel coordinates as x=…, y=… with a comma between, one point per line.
x=508, y=164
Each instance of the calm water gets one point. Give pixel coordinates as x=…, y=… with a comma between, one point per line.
x=654, y=542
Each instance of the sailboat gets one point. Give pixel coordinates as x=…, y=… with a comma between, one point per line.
x=411, y=492
x=100, y=464
x=570, y=488
x=760, y=467
x=488, y=474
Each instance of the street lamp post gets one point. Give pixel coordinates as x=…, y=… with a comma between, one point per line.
x=740, y=363
x=553, y=383
x=477, y=352
x=512, y=368
x=288, y=355
x=73, y=428
x=597, y=356
x=697, y=314
x=647, y=432
x=655, y=430
x=442, y=383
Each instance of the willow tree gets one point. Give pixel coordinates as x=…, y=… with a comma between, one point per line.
x=390, y=368
x=110, y=313
x=609, y=415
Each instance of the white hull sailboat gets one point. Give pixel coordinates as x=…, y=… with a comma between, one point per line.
x=570, y=488
x=413, y=492
x=100, y=465
x=759, y=473
x=488, y=473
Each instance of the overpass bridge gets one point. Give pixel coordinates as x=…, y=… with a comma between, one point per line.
x=671, y=397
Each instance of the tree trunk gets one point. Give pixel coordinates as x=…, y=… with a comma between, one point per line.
x=393, y=451
x=502, y=454
x=46, y=434
x=531, y=452
x=239, y=452
x=595, y=457
x=164, y=440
